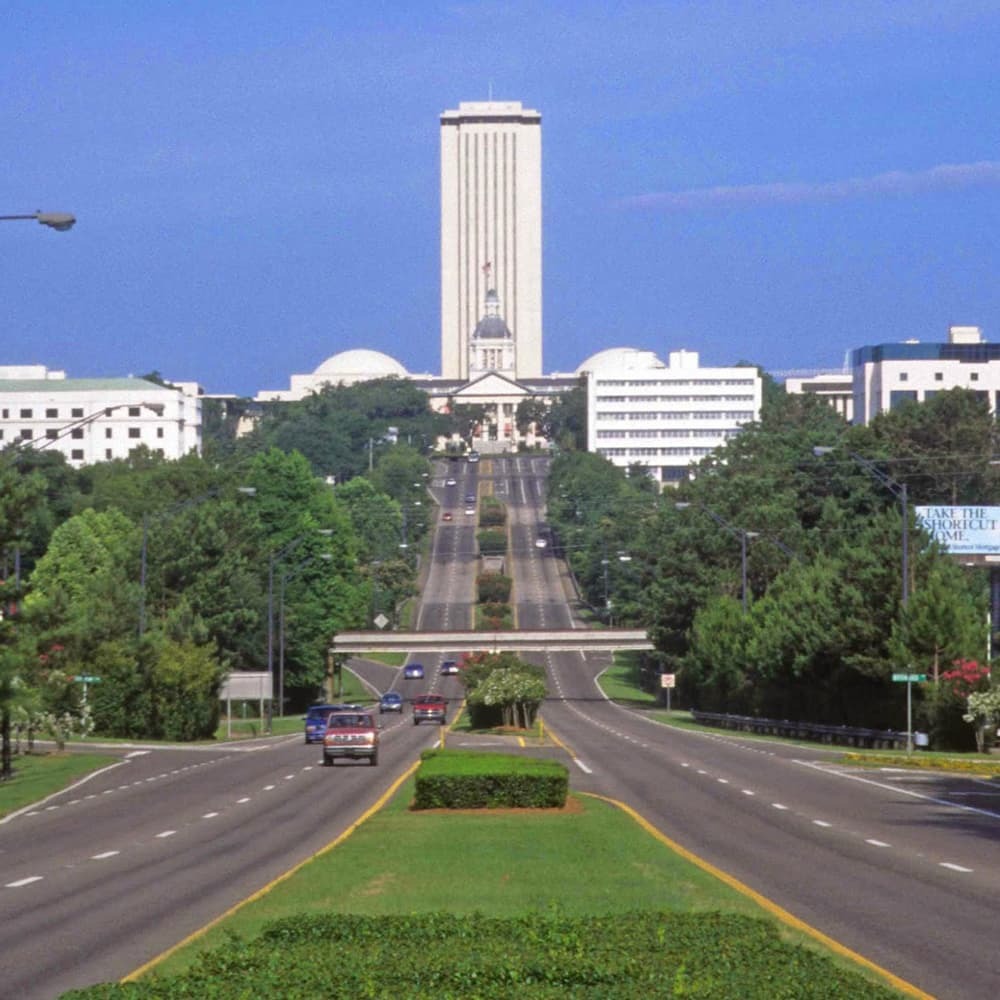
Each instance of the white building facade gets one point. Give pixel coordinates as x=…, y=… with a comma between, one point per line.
x=95, y=420
x=665, y=417
x=491, y=228
x=886, y=375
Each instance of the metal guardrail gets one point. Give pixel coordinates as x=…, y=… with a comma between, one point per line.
x=852, y=736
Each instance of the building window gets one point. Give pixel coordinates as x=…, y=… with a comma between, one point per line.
x=903, y=377
x=939, y=376
x=6, y=413
x=1, y=435
x=159, y=432
x=107, y=453
x=107, y=432
x=76, y=454
x=77, y=411
x=973, y=376
x=134, y=411
x=899, y=396
x=25, y=414
x=25, y=434
x=77, y=433
x=51, y=414
x=133, y=432
x=52, y=433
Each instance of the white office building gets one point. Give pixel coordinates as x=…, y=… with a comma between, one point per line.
x=886, y=375
x=665, y=417
x=96, y=419
x=491, y=229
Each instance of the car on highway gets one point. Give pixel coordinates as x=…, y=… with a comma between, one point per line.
x=391, y=701
x=540, y=543
x=413, y=672
x=315, y=720
x=450, y=481
x=470, y=511
x=352, y=736
x=449, y=667
x=430, y=708
x=446, y=516
x=470, y=498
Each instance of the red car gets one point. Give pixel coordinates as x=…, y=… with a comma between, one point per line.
x=446, y=516
x=429, y=708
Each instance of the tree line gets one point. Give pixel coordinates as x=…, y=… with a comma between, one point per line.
x=771, y=580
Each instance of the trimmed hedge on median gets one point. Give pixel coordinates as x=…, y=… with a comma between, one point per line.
x=630, y=956
x=466, y=779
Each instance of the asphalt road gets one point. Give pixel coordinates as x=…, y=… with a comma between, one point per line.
x=901, y=867
x=102, y=878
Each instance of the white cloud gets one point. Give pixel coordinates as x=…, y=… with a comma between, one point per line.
x=945, y=177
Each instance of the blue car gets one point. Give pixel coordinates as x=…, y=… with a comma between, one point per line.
x=315, y=720
x=391, y=701
x=414, y=672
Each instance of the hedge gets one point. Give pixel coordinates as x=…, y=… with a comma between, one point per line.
x=631, y=956
x=460, y=779
x=492, y=542
x=493, y=587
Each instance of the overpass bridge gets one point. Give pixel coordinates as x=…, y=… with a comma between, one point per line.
x=520, y=640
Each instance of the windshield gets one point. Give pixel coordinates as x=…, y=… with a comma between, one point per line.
x=350, y=722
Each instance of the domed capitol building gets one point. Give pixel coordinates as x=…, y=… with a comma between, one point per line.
x=640, y=410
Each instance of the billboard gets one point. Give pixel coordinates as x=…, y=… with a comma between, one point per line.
x=963, y=530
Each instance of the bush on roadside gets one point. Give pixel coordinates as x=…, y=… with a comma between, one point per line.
x=492, y=513
x=492, y=542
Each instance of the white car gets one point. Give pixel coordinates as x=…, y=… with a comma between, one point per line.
x=540, y=543
x=451, y=482
x=471, y=511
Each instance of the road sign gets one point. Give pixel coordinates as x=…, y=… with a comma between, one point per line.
x=910, y=678
x=87, y=679
x=381, y=621
x=668, y=680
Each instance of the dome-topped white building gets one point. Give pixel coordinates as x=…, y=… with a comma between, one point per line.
x=344, y=368
x=620, y=359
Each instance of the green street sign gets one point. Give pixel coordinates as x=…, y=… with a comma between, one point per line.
x=911, y=678
x=87, y=679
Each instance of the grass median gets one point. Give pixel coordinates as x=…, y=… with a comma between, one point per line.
x=38, y=775
x=588, y=859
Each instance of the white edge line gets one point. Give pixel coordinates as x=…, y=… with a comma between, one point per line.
x=895, y=788
x=62, y=791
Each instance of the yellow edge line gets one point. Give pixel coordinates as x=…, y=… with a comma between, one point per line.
x=386, y=795
x=776, y=911
x=783, y=915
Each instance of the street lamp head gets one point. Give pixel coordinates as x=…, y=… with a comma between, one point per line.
x=820, y=450
x=326, y=532
x=60, y=221
x=681, y=506
x=247, y=491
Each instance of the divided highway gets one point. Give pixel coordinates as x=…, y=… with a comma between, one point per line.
x=902, y=868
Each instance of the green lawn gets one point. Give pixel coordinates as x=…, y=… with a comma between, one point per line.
x=620, y=681
x=388, y=658
x=37, y=775
x=589, y=859
x=496, y=862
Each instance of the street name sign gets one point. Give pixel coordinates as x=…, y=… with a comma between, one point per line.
x=914, y=678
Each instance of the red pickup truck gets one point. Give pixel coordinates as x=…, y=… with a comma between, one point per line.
x=429, y=708
x=351, y=734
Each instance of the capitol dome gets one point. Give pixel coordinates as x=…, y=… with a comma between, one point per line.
x=359, y=365
x=620, y=358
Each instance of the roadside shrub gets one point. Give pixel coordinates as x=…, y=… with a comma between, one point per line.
x=492, y=542
x=538, y=956
x=492, y=513
x=493, y=587
x=461, y=779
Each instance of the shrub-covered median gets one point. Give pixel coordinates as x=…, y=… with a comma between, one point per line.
x=630, y=956
x=577, y=902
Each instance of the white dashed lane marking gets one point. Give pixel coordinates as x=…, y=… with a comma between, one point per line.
x=23, y=881
x=955, y=868
x=104, y=855
x=876, y=843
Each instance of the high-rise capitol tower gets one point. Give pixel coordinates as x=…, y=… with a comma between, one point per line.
x=491, y=229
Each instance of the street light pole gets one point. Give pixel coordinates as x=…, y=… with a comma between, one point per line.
x=742, y=534
x=60, y=221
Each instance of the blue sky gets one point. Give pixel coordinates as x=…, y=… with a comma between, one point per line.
x=257, y=184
